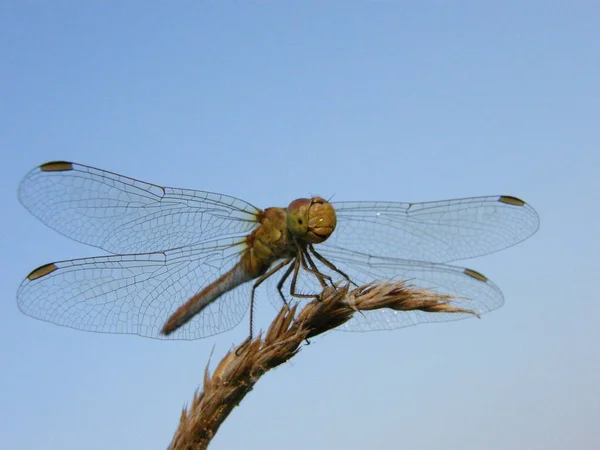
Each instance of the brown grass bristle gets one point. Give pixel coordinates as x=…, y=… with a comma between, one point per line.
x=238, y=371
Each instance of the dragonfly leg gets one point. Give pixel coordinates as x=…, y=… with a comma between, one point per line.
x=259, y=281
x=315, y=271
x=301, y=263
x=329, y=264
x=282, y=281
x=303, y=256
x=297, y=265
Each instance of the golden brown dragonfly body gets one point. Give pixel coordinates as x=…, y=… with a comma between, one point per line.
x=283, y=234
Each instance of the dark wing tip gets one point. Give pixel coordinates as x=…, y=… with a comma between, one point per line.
x=474, y=274
x=509, y=200
x=56, y=166
x=41, y=271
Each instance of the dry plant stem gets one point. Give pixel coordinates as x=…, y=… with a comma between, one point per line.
x=241, y=368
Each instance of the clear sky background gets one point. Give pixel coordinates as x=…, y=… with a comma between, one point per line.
x=270, y=101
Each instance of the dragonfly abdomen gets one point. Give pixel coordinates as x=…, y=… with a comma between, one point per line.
x=239, y=274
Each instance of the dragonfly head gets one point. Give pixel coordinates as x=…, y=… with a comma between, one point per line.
x=311, y=219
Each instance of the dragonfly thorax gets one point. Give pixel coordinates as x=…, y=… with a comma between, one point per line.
x=311, y=219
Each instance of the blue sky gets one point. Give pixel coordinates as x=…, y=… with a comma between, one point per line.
x=270, y=101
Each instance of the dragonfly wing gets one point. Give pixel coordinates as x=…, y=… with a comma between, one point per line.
x=441, y=231
x=136, y=294
x=123, y=215
x=471, y=290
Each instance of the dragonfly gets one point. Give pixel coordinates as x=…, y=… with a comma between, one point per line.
x=187, y=264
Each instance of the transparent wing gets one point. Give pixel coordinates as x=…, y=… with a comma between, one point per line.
x=123, y=215
x=441, y=231
x=135, y=294
x=471, y=290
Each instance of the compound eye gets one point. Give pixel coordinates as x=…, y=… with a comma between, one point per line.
x=297, y=217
